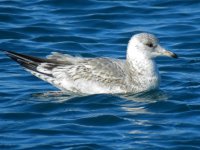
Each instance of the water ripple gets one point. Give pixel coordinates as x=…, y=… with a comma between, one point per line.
x=33, y=118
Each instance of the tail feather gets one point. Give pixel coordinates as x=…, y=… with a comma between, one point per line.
x=15, y=55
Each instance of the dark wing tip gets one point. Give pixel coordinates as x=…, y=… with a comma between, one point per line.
x=28, y=62
x=175, y=55
x=8, y=52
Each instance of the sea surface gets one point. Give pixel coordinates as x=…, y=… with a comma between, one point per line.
x=33, y=117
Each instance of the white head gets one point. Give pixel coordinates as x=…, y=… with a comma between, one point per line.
x=145, y=45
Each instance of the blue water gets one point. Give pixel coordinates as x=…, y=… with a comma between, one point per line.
x=32, y=118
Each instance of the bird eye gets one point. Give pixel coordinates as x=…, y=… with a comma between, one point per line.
x=149, y=44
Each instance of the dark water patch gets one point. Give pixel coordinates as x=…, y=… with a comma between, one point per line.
x=39, y=30
x=178, y=28
x=45, y=107
x=8, y=146
x=167, y=107
x=63, y=4
x=9, y=3
x=51, y=132
x=104, y=120
x=13, y=18
x=70, y=46
x=98, y=98
x=172, y=3
x=12, y=35
x=64, y=38
x=19, y=116
x=188, y=45
x=13, y=10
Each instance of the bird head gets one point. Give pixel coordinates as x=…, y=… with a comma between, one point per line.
x=147, y=45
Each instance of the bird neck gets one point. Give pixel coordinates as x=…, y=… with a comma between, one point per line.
x=139, y=60
x=142, y=71
x=142, y=66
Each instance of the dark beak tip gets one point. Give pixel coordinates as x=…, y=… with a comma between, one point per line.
x=174, y=55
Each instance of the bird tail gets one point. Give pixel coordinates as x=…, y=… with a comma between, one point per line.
x=39, y=67
x=30, y=63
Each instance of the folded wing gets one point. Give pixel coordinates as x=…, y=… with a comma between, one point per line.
x=74, y=73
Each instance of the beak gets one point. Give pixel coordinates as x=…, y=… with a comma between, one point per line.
x=165, y=52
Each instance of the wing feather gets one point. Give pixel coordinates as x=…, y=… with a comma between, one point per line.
x=102, y=70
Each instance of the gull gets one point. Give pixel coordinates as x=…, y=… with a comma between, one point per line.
x=137, y=73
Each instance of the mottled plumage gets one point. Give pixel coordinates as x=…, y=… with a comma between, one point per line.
x=100, y=75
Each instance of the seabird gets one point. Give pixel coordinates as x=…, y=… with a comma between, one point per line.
x=137, y=73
